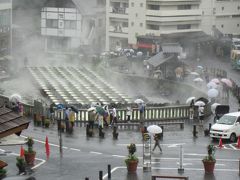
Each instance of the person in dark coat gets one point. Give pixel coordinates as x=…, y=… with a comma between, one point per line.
x=157, y=144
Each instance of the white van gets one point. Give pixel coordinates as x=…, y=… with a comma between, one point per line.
x=227, y=127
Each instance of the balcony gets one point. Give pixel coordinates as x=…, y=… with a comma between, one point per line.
x=164, y=20
x=175, y=0
x=174, y=13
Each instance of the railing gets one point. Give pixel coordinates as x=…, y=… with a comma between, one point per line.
x=151, y=114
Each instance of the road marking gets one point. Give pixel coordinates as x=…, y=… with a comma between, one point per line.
x=185, y=164
x=74, y=149
x=220, y=164
x=93, y=152
x=37, y=165
x=118, y=156
x=232, y=146
x=194, y=154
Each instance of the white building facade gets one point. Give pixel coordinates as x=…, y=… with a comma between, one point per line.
x=68, y=27
x=126, y=19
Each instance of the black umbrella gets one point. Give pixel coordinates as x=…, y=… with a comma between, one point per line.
x=205, y=100
x=74, y=109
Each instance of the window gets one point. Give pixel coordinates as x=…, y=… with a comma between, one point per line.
x=136, y=14
x=141, y=4
x=238, y=7
x=60, y=16
x=153, y=27
x=141, y=24
x=70, y=24
x=222, y=8
x=237, y=25
x=153, y=7
x=181, y=7
x=124, y=24
x=51, y=23
x=132, y=4
x=132, y=23
x=184, y=26
x=222, y=25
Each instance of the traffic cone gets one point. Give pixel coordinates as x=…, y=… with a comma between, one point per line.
x=21, y=152
x=238, y=142
x=47, y=148
x=220, y=143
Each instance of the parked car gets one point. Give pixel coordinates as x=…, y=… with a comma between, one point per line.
x=227, y=127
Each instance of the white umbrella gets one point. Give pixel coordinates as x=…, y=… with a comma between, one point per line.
x=213, y=107
x=212, y=85
x=154, y=129
x=189, y=100
x=198, y=80
x=15, y=98
x=139, y=101
x=200, y=67
x=199, y=103
x=212, y=93
x=194, y=73
x=91, y=109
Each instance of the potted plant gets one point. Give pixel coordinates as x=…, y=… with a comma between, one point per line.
x=30, y=154
x=209, y=160
x=3, y=173
x=132, y=160
x=21, y=164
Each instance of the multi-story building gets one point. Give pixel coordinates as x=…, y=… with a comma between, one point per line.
x=5, y=27
x=221, y=14
x=127, y=19
x=5, y=35
x=70, y=26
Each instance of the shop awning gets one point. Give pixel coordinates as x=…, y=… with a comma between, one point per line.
x=158, y=59
x=11, y=122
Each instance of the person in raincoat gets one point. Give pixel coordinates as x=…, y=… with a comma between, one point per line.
x=71, y=118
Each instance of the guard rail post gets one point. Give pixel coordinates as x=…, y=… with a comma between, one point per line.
x=100, y=175
x=195, y=131
x=109, y=171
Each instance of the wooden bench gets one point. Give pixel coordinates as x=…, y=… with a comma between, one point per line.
x=154, y=177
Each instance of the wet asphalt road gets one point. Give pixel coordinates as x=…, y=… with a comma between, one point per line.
x=85, y=157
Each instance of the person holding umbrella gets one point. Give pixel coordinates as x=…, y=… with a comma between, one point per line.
x=157, y=144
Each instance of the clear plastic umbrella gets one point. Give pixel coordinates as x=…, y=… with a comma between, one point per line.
x=212, y=85
x=154, y=129
x=189, y=100
x=212, y=93
x=199, y=103
x=15, y=98
x=139, y=101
